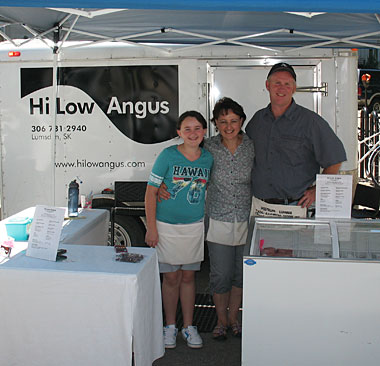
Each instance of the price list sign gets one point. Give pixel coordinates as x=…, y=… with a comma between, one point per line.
x=334, y=196
x=45, y=232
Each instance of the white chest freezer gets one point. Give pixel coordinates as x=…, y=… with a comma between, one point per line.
x=311, y=293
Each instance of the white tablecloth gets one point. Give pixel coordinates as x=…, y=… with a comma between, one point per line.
x=88, y=310
x=92, y=229
x=89, y=227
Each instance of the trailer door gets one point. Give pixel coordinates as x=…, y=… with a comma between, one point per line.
x=326, y=85
x=246, y=85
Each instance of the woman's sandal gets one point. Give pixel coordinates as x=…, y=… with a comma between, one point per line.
x=236, y=329
x=219, y=333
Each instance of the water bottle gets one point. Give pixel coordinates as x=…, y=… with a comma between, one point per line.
x=73, y=198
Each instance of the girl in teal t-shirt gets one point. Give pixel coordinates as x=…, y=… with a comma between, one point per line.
x=175, y=226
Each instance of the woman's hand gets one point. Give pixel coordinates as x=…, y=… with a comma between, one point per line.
x=163, y=193
x=151, y=238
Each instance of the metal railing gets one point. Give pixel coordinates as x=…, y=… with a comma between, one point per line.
x=369, y=146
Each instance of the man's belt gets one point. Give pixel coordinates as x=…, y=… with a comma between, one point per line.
x=280, y=201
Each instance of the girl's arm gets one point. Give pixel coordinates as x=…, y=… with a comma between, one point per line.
x=151, y=237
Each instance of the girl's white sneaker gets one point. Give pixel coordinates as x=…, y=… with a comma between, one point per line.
x=192, y=337
x=170, y=336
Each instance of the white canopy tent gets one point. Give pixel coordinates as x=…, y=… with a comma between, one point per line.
x=268, y=25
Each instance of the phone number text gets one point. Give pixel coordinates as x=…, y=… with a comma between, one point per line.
x=58, y=128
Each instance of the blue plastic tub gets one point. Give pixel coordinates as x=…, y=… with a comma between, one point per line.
x=18, y=228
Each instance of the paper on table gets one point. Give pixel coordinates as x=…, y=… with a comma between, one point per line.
x=45, y=232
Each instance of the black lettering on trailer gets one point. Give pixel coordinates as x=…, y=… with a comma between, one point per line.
x=141, y=101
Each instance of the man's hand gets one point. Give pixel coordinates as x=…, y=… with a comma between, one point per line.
x=163, y=193
x=308, y=197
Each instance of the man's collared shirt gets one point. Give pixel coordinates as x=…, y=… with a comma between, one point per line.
x=290, y=150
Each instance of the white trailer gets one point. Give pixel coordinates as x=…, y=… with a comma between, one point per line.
x=103, y=113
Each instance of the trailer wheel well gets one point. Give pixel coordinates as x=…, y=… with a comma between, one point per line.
x=129, y=230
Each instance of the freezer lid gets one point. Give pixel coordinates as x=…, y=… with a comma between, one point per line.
x=316, y=239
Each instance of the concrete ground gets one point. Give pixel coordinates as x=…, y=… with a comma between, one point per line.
x=226, y=352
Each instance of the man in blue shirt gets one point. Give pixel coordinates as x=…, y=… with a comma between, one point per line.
x=291, y=143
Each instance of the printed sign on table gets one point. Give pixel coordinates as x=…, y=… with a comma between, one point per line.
x=334, y=196
x=45, y=232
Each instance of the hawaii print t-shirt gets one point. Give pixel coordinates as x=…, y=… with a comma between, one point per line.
x=186, y=182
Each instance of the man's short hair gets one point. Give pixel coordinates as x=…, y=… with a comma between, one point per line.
x=282, y=66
